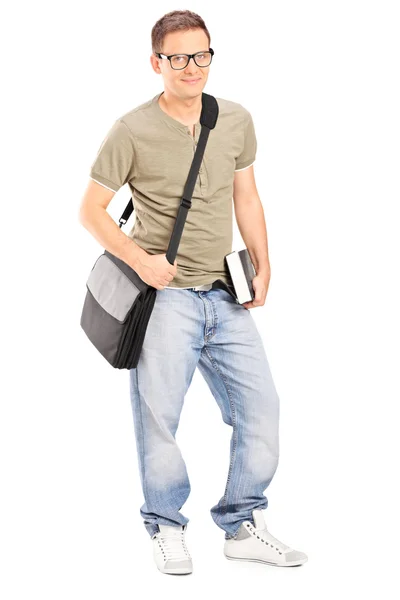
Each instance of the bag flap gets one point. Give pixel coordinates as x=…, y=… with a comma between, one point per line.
x=111, y=288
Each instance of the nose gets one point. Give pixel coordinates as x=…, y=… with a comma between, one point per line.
x=191, y=63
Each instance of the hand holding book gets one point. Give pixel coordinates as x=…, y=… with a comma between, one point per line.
x=250, y=288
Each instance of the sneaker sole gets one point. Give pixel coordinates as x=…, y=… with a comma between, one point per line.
x=175, y=571
x=266, y=562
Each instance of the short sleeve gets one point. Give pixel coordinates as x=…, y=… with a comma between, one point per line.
x=115, y=161
x=248, y=154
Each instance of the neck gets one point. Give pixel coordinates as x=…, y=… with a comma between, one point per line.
x=186, y=110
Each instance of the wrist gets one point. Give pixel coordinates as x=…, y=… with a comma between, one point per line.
x=131, y=253
x=138, y=256
x=264, y=271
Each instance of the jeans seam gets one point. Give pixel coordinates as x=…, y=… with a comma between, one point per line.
x=234, y=427
x=141, y=437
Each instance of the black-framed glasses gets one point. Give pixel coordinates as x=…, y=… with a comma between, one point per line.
x=181, y=61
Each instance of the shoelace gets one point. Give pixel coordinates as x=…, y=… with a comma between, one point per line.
x=172, y=545
x=265, y=536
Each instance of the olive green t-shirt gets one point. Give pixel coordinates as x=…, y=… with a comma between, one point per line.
x=152, y=153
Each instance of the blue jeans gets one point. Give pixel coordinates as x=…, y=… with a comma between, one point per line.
x=208, y=330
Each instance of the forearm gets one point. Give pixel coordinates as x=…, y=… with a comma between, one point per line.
x=110, y=236
x=252, y=227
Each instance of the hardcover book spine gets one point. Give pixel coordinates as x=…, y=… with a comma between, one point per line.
x=248, y=269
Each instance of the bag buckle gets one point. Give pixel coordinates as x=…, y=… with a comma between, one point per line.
x=186, y=203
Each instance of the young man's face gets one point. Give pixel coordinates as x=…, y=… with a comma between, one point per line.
x=176, y=81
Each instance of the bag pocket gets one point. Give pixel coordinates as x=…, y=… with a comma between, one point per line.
x=111, y=288
x=111, y=304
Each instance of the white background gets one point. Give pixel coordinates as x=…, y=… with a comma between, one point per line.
x=321, y=80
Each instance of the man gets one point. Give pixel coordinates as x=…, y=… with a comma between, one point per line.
x=193, y=324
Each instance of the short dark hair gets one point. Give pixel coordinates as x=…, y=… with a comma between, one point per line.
x=176, y=20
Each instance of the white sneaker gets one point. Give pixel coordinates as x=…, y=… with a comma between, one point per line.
x=255, y=543
x=170, y=552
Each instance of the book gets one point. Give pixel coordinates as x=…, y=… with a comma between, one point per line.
x=242, y=272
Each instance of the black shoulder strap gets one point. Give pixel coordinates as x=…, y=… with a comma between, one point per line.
x=208, y=120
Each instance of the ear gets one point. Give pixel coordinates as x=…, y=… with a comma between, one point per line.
x=154, y=61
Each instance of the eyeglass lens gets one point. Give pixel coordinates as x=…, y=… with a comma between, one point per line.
x=180, y=61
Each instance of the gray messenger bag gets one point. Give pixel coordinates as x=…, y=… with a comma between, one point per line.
x=118, y=303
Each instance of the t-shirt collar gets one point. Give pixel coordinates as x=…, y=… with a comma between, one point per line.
x=168, y=119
